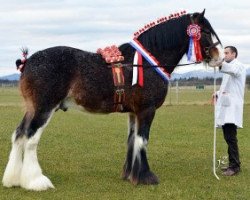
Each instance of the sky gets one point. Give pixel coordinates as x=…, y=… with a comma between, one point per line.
x=93, y=24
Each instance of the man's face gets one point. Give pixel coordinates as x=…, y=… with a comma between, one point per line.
x=229, y=55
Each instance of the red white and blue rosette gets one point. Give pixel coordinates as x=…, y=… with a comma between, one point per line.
x=194, y=49
x=194, y=31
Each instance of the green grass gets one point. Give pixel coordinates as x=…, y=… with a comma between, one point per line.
x=9, y=96
x=192, y=96
x=83, y=154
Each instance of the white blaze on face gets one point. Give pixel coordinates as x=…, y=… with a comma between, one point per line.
x=217, y=56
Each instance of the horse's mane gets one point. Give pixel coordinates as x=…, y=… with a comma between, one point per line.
x=169, y=34
x=166, y=35
x=163, y=36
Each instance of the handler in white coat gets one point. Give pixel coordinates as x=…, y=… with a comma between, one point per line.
x=229, y=106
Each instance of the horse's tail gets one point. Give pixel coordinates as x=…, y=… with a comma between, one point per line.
x=20, y=64
x=25, y=85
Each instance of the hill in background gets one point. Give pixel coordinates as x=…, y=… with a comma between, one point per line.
x=200, y=74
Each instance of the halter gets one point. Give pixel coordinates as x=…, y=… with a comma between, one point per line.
x=206, y=49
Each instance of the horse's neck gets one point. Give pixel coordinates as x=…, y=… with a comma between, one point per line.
x=170, y=58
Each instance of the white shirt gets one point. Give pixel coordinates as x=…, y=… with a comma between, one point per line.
x=229, y=107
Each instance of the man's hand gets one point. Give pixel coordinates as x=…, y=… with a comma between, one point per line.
x=214, y=97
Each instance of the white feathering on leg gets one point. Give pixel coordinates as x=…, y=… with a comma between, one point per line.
x=31, y=176
x=13, y=169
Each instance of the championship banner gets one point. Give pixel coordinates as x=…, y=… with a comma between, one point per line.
x=151, y=59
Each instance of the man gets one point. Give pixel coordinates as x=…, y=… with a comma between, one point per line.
x=229, y=106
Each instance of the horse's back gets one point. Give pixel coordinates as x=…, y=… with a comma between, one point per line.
x=60, y=60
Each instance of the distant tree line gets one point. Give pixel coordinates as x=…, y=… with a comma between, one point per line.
x=4, y=82
x=205, y=81
x=195, y=81
x=181, y=82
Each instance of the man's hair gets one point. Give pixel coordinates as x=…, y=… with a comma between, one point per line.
x=233, y=49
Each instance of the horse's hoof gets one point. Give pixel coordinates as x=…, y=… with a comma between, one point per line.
x=125, y=175
x=38, y=184
x=11, y=177
x=14, y=182
x=149, y=179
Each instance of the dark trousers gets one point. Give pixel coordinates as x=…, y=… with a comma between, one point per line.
x=230, y=135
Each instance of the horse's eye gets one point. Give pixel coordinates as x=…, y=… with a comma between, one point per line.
x=205, y=31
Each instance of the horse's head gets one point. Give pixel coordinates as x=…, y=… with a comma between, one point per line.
x=210, y=52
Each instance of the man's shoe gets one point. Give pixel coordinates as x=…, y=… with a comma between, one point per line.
x=231, y=171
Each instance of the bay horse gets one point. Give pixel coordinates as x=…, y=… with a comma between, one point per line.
x=56, y=77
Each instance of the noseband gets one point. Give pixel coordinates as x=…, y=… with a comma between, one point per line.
x=207, y=49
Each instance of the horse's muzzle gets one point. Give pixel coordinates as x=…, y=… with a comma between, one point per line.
x=212, y=53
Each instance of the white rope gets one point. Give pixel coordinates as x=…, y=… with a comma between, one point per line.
x=214, y=152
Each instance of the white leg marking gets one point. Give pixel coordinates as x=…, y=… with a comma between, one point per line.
x=131, y=123
x=139, y=143
x=31, y=176
x=13, y=169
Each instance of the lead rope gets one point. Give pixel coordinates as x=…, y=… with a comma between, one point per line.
x=214, y=152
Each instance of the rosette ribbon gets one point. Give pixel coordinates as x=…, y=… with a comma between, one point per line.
x=137, y=70
x=194, y=49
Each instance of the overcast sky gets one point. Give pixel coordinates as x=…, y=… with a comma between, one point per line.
x=90, y=24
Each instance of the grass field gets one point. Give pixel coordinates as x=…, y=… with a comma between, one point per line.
x=83, y=154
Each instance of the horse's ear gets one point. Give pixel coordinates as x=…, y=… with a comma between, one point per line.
x=203, y=13
x=200, y=17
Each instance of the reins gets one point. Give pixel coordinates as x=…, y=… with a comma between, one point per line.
x=150, y=66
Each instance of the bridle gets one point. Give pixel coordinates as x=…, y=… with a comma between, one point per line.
x=206, y=49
